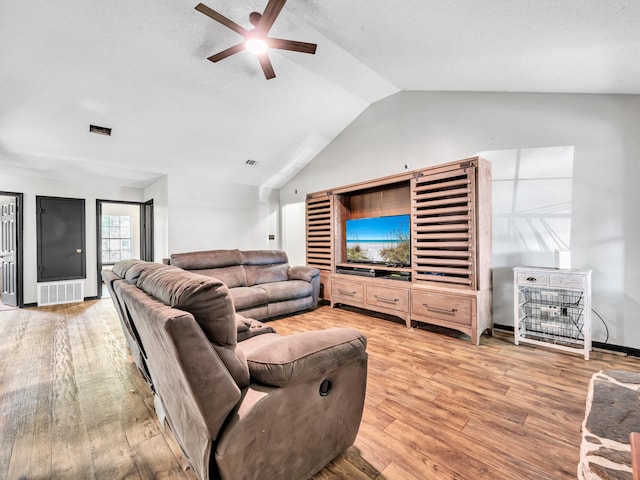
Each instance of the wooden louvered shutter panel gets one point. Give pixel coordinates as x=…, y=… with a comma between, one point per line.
x=444, y=228
x=319, y=232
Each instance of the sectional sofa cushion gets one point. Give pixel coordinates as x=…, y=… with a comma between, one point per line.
x=206, y=259
x=246, y=297
x=208, y=300
x=283, y=360
x=279, y=291
x=259, y=274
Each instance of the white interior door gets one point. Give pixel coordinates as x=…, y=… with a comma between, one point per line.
x=8, y=250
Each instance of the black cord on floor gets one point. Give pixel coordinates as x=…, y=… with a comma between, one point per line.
x=605, y=325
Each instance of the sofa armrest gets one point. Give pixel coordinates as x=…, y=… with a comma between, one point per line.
x=307, y=274
x=303, y=273
x=242, y=324
x=296, y=357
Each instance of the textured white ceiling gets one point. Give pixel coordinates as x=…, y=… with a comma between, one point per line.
x=140, y=68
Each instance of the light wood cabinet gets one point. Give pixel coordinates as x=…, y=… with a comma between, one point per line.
x=379, y=295
x=319, y=234
x=467, y=312
x=320, y=239
x=443, y=205
x=449, y=308
x=393, y=298
x=449, y=281
x=552, y=308
x=348, y=291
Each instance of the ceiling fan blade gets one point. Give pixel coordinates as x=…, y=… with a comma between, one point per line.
x=269, y=16
x=226, y=53
x=218, y=17
x=267, y=68
x=292, y=45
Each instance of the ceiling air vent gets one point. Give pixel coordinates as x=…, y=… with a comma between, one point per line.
x=250, y=162
x=100, y=130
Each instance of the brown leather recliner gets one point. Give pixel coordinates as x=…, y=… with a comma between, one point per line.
x=268, y=407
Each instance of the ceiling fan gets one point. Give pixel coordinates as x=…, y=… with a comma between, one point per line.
x=256, y=39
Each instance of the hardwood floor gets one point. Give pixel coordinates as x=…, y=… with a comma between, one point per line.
x=73, y=406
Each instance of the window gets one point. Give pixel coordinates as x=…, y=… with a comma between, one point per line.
x=117, y=238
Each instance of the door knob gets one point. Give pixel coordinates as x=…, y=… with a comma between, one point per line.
x=78, y=250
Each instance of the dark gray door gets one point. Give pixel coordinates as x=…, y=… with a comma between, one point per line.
x=8, y=250
x=61, y=238
x=146, y=250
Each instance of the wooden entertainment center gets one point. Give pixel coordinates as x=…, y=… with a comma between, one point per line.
x=448, y=282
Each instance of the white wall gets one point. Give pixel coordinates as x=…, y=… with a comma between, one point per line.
x=90, y=191
x=293, y=237
x=417, y=129
x=158, y=192
x=206, y=215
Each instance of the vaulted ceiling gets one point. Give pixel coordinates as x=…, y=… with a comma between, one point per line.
x=140, y=68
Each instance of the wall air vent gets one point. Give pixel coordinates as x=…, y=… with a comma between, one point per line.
x=100, y=130
x=54, y=293
x=251, y=162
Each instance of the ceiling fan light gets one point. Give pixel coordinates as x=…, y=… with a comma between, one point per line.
x=256, y=45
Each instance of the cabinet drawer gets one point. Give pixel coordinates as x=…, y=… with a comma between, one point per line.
x=388, y=297
x=566, y=281
x=531, y=278
x=445, y=307
x=347, y=290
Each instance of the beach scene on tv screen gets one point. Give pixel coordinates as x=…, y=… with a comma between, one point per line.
x=379, y=240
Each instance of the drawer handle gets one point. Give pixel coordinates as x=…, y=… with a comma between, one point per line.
x=344, y=292
x=451, y=311
x=387, y=300
x=532, y=279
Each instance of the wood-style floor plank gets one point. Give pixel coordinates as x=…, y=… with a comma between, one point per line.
x=73, y=405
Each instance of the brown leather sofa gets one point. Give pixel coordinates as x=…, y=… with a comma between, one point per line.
x=267, y=407
x=262, y=283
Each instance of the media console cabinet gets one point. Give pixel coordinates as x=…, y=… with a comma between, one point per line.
x=449, y=280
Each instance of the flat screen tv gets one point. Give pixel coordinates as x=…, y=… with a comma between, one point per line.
x=379, y=240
